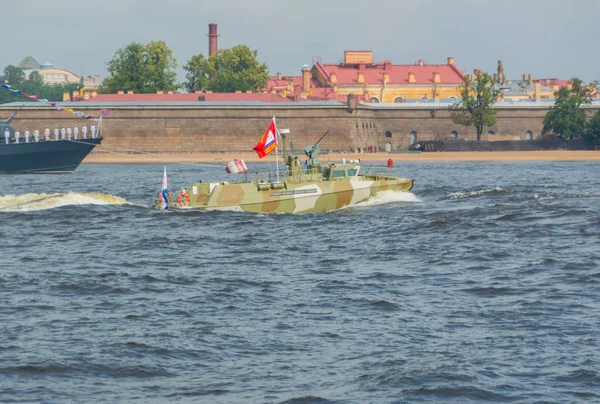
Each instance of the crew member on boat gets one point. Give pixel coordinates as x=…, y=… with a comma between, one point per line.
x=7, y=135
x=63, y=133
x=93, y=130
x=75, y=132
x=36, y=135
x=84, y=131
x=56, y=133
x=26, y=135
x=47, y=133
x=17, y=136
x=69, y=133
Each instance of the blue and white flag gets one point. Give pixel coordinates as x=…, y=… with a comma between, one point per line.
x=163, y=193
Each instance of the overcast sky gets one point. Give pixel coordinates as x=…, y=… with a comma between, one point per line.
x=545, y=38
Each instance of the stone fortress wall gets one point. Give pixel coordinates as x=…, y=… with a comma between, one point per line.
x=227, y=128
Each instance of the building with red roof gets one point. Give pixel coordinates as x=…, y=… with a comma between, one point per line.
x=555, y=84
x=370, y=81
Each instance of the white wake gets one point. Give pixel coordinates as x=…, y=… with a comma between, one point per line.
x=32, y=202
x=385, y=197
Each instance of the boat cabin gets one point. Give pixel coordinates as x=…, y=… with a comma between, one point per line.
x=340, y=171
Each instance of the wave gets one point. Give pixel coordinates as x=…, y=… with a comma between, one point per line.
x=542, y=197
x=306, y=400
x=33, y=202
x=459, y=195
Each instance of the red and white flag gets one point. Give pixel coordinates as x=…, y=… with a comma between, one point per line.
x=268, y=141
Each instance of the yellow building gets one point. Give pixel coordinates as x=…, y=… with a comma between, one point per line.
x=55, y=75
x=373, y=81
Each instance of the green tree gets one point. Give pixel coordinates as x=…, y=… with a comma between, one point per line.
x=36, y=78
x=199, y=72
x=142, y=68
x=592, y=133
x=477, y=106
x=234, y=69
x=13, y=75
x=566, y=119
x=161, y=67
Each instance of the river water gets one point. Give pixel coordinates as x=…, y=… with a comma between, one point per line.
x=483, y=284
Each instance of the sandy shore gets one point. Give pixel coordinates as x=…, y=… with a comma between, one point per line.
x=216, y=158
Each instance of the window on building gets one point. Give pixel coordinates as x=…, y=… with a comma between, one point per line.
x=529, y=135
x=491, y=132
x=398, y=100
x=374, y=100
x=454, y=135
x=388, y=134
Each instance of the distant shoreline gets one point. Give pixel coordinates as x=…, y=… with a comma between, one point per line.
x=250, y=157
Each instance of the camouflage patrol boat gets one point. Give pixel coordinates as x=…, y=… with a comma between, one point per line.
x=316, y=187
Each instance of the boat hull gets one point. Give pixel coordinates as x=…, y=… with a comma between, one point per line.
x=289, y=197
x=62, y=156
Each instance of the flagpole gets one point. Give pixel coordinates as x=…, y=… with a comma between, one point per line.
x=276, y=152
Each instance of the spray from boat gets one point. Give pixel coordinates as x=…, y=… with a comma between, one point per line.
x=33, y=202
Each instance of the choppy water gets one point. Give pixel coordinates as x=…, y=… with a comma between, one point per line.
x=482, y=285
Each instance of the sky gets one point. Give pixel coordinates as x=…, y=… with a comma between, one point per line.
x=544, y=38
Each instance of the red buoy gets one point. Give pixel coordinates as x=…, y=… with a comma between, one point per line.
x=390, y=163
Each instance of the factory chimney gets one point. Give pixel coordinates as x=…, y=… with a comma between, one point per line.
x=212, y=39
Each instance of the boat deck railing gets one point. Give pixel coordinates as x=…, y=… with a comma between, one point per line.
x=272, y=175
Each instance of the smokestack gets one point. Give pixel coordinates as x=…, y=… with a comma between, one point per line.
x=212, y=39
x=500, y=73
x=305, y=78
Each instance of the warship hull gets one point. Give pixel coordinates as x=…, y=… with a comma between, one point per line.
x=50, y=157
